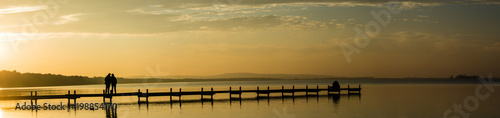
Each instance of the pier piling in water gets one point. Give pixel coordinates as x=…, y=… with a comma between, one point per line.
x=212, y=94
x=307, y=90
x=170, y=95
x=268, y=92
x=180, y=93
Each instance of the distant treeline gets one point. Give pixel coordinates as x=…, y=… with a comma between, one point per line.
x=465, y=77
x=17, y=79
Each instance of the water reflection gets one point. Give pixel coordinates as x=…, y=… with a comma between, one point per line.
x=333, y=99
x=111, y=112
x=336, y=98
x=252, y=102
x=377, y=99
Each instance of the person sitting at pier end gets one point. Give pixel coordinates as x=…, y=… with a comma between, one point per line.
x=336, y=86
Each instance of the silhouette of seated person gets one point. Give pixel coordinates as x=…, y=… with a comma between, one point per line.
x=335, y=86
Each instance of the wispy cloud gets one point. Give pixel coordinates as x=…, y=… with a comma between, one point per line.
x=422, y=16
x=20, y=9
x=68, y=19
x=420, y=19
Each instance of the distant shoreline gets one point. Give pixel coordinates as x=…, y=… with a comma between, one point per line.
x=374, y=81
x=13, y=79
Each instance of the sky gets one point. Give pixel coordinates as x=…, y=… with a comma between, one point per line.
x=418, y=38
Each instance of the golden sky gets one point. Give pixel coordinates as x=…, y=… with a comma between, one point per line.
x=208, y=37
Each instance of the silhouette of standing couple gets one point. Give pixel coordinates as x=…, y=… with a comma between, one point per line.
x=110, y=79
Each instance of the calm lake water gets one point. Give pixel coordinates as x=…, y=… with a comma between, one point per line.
x=376, y=100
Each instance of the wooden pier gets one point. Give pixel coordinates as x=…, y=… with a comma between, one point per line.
x=261, y=93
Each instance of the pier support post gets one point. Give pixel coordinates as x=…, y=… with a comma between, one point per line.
x=212, y=94
x=138, y=96
x=317, y=90
x=258, y=92
x=328, y=88
x=103, y=96
x=317, y=93
x=307, y=91
x=69, y=96
x=147, y=96
x=201, y=94
x=36, y=98
x=74, y=94
x=268, y=92
x=293, y=94
x=282, y=90
x=348, y=90
x=31, y=98
x=240, y=93
x=359, y=86
x=180, y=95
x=69, y=102
x=230, y=93
x=170, y=96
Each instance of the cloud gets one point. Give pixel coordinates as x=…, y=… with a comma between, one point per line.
x=265, y=22
x=486, y=2
x=220, y=10
x=154, y=10
x=422, y=16
x=204, y=3
x=422, y=43
x=158, y=24
x=155, y=16
x=234, y=5
x=67, y=19
x=21, y=9
x=420, y=20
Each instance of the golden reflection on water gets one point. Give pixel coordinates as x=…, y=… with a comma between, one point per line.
x=378, y=100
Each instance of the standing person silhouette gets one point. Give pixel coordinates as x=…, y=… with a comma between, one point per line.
x=107, y=81
x=113, y=81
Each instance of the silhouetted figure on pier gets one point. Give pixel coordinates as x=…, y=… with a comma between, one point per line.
x=336, y=86
x=107, y=81
x=113, y=82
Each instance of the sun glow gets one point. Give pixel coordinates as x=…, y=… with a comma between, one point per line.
x=4, y=44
